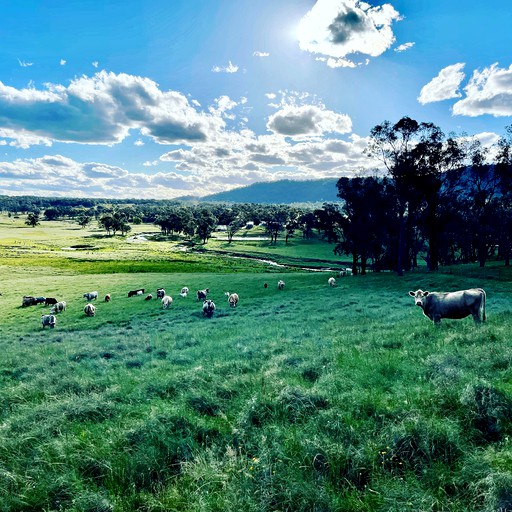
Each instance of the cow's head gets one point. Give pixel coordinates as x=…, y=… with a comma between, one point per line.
x=419, y=297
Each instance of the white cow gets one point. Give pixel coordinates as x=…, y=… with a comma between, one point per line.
x=166, y=301
x=280, y=284
x=331, y=281
x=232, y=299
x=184, y=291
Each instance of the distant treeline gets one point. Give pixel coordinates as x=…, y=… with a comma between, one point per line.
x=444, y=199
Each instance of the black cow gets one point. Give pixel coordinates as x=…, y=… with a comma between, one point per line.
x=50, y=301
x=140, y=291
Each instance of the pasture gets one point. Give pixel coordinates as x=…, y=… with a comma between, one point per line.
x=310, y=398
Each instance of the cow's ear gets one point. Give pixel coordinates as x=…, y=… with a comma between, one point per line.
x=412, y=294
x=425, y=294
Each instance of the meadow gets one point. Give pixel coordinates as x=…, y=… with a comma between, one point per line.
x=311, y=399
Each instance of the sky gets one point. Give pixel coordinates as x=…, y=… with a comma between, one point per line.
x=168, y=98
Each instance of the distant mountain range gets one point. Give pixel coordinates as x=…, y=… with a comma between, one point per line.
x=278, y=192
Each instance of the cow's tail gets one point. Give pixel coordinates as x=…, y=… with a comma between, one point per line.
x=482, y=305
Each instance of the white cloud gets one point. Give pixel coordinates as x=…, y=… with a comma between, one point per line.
x=102, y=109
x=25, y=64
x=444, y=86
x=138, y=142
x=260, y=54
x=488, y=92
x=308, y=120
x=337, y=29
x=404, y=47
x=62, y=62
x=230, y=68
x=95, y=63
x=271, y=95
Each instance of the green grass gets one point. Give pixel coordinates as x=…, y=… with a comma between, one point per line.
x=306, y=399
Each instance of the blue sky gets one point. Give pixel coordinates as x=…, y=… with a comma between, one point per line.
x=164, y=98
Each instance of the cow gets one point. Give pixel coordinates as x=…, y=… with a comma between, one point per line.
x=345, y=272
x=48, y=320
x=40, y=300
x=140, y=291
x=265, y=285
x=201, y=294
x=108, y=298
x=90, y=310
x=166, y=301
x=160, y=293
x=453, y=305
x=280, y=284
x=208, y=308
x=149, y=296
x=50, y=301
x=90, y=295
x=28, y=300
x=184, y=291
x=58, y=308
x=331, y=281
x=232, y=299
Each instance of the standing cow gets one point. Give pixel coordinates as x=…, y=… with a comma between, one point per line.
x=48, y=320
x=208, y=308
x=280, y=284
x=90, y=310
x=160, y=293
x=58, y=308
x=166, y=301
x=232, y=299
x=90, y=295
x=201, y=294
x=453, y=305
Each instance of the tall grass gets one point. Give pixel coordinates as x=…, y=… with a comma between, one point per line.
x=307, y=399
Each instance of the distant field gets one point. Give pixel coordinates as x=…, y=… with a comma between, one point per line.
x=307, y=399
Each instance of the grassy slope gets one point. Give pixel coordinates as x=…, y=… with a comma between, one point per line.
x=311, y=398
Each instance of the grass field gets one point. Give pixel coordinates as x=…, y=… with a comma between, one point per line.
x=306, y=399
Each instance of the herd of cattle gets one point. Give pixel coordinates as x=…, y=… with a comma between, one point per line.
x=435, y=305
x=208, y=306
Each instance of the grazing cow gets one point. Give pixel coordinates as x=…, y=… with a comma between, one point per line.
x=166, y=301
x=28, y=300
x=90, y=295
x=58, y=308
x=331, y=281
x=232, y=299
x=201, y=294
x=265, y=285
x=184, y=291
x=149, y=296
x=40, y=300
x=108, y=298
x=160, y=293
x=90, y=310
x=48, y=320
x=140, y=291
x=50, y=301
x=208, y=308
x=454, y=305
x=280, y=284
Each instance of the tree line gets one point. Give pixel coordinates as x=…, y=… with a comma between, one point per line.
x=445, y=199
